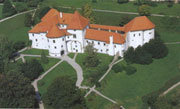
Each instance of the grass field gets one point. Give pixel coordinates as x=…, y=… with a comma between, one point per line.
x=1, y=11
x=129, y=89
x=173, y=92
x=63, y=69
x=161, y=8
x=104, y=59
x=35, y=52
x=14, y=29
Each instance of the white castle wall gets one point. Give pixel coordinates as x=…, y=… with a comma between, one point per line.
x=148, y=35
x=39, y=40
x=57, y=46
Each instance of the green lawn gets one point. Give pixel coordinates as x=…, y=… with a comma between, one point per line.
x=161, y=8
x=14, y=29
x=63, y=69
x=173, y=92
x=129, y=89
x=35, y=51
x=1, y=11
x=104, y=59
x=51, y=62
x=71, y=55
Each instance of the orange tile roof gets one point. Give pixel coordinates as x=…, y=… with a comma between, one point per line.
x=66, y=18
x=55, y=32
x=139, y=23
x=78, y=22
x=104, y=36
x=106, y=27
x=51, y=13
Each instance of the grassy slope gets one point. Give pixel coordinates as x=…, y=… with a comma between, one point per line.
x=113, y=5
x=61, y=70
x=128, y=89
x=14, y=29
x=35, y=52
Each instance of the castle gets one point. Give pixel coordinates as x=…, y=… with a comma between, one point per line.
x=63, y=33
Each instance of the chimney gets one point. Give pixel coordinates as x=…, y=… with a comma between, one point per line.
x=111, y=39
x=61, y=15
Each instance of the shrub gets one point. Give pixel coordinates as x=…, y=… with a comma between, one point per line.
x=20, y=7
x=118, y=68
x=33, y=3
x=94, y=1
x=130, y=70
x=8, y=9
x=19, y=45
x=170, y=4
x=124, y=20
x=122, y=1
x=28, y=20
x=144, y=10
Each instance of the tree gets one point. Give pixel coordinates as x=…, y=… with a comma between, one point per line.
x=129, y=55
x=28, y=20
x=130, y=70
x=144, y=10
x=20, y=7
x=31, y=69
x=124, y=20
x=8, y=9
x=16, y=92
x=122, y=1
x=91, y=60
x=63, y=94
x=6, y=51
x=156, y=48
x=44, y=59
x=18, y=45
x=118, y=68
x=88, y=13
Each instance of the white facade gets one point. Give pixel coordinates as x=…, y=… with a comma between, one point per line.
x=76, y=41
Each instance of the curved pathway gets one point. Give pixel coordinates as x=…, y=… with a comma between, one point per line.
x=2, y=20
x=35, y=85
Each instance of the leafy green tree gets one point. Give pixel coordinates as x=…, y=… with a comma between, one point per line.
x=129, y=55
x=156, y=48
x=16, y=91
x=118, y=68
x=18, y=45
x=91, y=60
x=44, y=59
x=122, y=1
x=124, y=20
x=28, y=20
x=20, y=7
x=6, y=51
x=8, y=9
x=31, y=69
x=88, y=13
x=63, y=94
x=130, y=70
x=144, y=10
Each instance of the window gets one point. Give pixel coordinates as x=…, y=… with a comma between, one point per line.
x=149, y=32
x=101, y=50
x=98, y=43
x=32, y=34
x=114, y=46
x=48, y=40
x=36, y=40
x=76, y=45
x=134, y=35
x=54, y=41
x=61, y=46
x=107, y=49
x=74, y=36
x=132, y=40
x=76, y=50
x=48, y=46
x=75, y=42
x=68, y=37
x=73, y=48
x=104, y=44
x=87, y=41
x=92, y=42
x=55, y=47
x=62, y=39
x=139, y=34
x=74, y=30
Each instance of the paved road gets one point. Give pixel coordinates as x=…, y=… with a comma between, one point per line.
x=121, y=12
x=34, y=83
x=2, y=20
